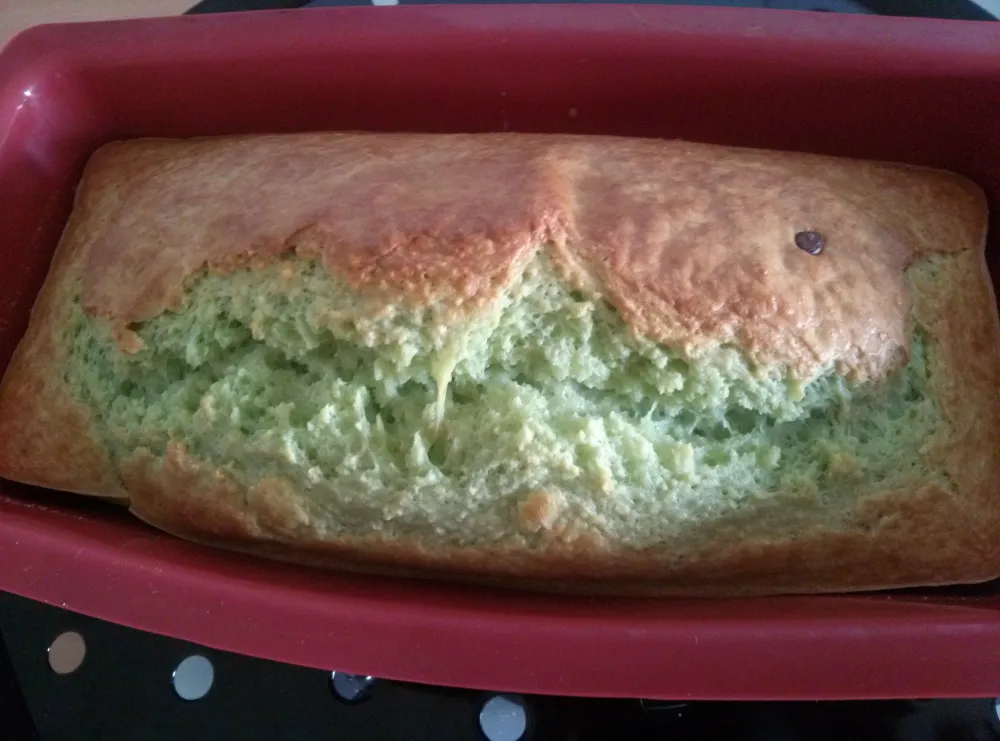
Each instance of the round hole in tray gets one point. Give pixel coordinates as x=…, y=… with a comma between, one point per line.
x=351, y=688
x=193, y=678
x=66, y=652
x=504, y=718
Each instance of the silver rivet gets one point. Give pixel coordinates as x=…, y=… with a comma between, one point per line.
x=193, y=678
x=67, y=652
x=504, y=718
x=351, y=687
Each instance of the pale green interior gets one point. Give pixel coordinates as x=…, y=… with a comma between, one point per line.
x=279, y=373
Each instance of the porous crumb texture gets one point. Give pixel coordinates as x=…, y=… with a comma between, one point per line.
x=543, y=409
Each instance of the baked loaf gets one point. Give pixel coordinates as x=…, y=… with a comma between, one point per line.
x=587, y=363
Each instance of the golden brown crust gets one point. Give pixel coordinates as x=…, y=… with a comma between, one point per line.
x=453, y=216
x=47, y=437
x=623, y=217
x=902, y=540
x=959, y=311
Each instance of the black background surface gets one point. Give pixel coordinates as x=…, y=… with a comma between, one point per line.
x=956, y=9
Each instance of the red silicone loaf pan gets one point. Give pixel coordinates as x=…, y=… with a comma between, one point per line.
x=924, y=92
